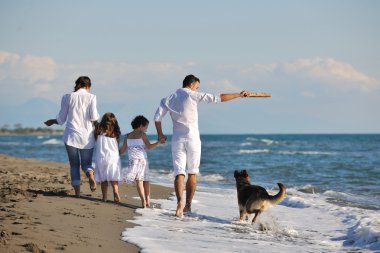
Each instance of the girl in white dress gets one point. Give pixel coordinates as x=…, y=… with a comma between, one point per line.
x=138, y=168
x=108, y=165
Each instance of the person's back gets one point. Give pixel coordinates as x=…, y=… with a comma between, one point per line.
x=80, y=117
x=108, y=163
x=107, y=148
x=138, y=168
x=186, y=143
x=136, y=147
x=183, y=108
x=78, y=110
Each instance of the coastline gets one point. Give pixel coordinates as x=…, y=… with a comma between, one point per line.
x=39, y=213
x=53, y=132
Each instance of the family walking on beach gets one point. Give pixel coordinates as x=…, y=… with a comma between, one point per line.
x=83, y=132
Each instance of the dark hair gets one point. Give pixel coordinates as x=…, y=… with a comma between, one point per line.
x=109, y=126
x=82, y=82
x=189, y=80
x=139, y=121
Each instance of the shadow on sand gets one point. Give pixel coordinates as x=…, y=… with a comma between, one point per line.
x=65, y=194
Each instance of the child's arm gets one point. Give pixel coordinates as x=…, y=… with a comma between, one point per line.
x=148, y=144
x=125, y=145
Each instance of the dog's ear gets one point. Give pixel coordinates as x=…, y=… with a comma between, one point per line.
x=245, y=173
x=236, y=173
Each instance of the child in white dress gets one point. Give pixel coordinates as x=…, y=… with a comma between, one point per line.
x=138, y=169
x=108, y=164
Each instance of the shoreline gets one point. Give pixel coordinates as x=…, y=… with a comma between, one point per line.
x=31, y=133
x=39, y=213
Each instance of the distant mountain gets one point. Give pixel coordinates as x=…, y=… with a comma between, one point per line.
x=29, y=114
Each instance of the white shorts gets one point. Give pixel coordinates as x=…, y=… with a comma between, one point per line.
x=186, y=154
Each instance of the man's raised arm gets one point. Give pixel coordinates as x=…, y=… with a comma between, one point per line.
x=243, y=94
x=230, y=96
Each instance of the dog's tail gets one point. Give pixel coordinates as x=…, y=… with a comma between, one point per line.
x=279, y=196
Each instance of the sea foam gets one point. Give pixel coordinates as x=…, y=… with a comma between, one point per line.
x=301, y=223
x=365, y=233
x=53, y=142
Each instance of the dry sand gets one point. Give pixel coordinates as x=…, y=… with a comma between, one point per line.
x=39, y=213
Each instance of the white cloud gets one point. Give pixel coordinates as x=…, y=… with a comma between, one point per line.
x=222, y=86
x=131, y=89
x=5, y=56
x=118, y=82
x=41, y=76
x=259, y=69
x=27, y=68
x=331, y=71
x=327, y=71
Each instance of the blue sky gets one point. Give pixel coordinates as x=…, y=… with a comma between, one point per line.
x=319, y=59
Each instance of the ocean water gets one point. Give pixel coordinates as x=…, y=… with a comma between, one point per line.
x=332, y=203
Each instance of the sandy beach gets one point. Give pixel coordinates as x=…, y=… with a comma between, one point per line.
x=39, y=213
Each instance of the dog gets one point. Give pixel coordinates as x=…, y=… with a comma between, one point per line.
x=253, y=198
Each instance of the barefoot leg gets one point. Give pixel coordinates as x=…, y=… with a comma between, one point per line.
x=140, y=190
x=191, y=186
x=147, y=193
x=91, y=180
x=178, y=186
x=77, y=190
x=104, y=186
x=115, y=187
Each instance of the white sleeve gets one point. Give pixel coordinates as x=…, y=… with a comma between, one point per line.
x=207, y=97
x=161, y=111
x=94, y=115
x=62, y=115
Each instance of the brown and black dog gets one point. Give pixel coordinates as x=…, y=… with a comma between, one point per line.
x=253, y=198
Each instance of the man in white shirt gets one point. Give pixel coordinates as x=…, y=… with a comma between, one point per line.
x=186, y=143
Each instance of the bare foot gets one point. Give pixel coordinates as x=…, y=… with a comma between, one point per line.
x=91, y=180
x=148, y=202
x=116, y=197
x=187, y=208
x=77, y=191
x=179, y=212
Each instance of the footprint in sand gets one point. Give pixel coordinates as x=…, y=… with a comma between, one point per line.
x=32, y=247
x=4, y=237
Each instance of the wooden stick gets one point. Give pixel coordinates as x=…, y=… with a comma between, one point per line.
x=259, y=95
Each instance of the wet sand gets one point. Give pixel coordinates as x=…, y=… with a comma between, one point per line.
x=39, y=213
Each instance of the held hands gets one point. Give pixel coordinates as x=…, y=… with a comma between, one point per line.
x=162, y=139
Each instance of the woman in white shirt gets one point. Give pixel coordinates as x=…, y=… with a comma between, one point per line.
x=78, y=110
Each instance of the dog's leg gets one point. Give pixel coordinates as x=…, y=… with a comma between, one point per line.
x=242, y=215
x=257, y=213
